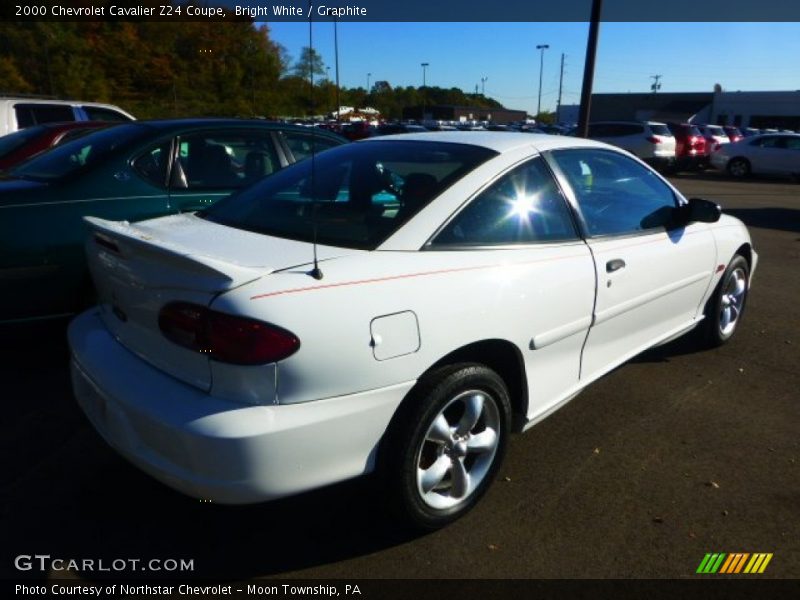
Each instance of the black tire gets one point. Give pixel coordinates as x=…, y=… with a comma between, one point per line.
x=739, y=167
x=410, y=444
x=731, y=295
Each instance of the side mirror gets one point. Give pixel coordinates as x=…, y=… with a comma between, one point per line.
x=699, y=210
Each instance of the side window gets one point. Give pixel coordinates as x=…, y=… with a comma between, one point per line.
x=153, y=164
x=522, y=207
x=768, y=142
x=616, y=195
x=104, y=114
x=300, y=144
x=226, y=159
x=34, y=114
x=792, y=143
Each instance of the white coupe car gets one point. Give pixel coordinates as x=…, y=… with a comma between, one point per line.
x=400, y=304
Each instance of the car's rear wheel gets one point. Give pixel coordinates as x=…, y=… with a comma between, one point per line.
x=446, y=446
x=739, y=167
x=725, y=308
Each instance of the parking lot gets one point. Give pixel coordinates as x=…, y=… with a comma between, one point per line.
x=675, y=454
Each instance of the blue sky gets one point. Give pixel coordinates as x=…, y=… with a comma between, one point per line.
x=688, y=56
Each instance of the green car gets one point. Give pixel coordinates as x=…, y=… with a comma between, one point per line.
x=130, y=172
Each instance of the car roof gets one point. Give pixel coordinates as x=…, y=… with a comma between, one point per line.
x=199, y=123
x=499, y=141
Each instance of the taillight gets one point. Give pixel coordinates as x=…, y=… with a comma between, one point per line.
x=654, y=140
x=226, y=338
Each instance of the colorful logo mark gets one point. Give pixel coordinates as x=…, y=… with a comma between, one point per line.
x=737, y=562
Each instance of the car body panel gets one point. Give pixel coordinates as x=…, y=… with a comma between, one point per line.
x=554, y=305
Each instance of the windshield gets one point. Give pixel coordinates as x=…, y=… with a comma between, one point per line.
x=355, y=195
x=13, y=141
x=75, y=155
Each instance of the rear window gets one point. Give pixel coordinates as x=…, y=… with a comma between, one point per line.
x=660, y=129
x=354, y=196
x=71, y=157
x=96, y=113
x=715, y=130
x=13, y=141
x=694, y=130
x=35, y=114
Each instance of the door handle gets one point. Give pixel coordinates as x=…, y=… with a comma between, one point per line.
x=614, y=265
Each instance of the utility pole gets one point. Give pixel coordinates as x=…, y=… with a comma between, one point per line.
x=560, y=88
x=541, y=48
x=656, y=86
x=588, y=69
x=336, y=53
x=424, y=87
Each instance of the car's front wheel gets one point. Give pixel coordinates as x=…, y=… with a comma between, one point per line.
x=739, y=167
x=447, y=445
x=725, y=308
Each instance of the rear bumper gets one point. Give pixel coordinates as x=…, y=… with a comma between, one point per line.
x=719, y=161
x=215, y=449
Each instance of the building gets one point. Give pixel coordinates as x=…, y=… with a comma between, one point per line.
x=447, y=112
x=780, y=110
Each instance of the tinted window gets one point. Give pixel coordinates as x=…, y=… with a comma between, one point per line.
x=301, y=144
x=73, y=156
x=715, y=130
x=153, y=164
x=11, y=142
x=226, y=159
x=524, y=206
x=767, y=142
x=104, y=114
x=792, y=143
x=354, y=195
x=34, y=114
x=616, y=195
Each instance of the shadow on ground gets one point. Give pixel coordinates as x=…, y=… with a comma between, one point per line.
x=66, y=494
x=785, y=219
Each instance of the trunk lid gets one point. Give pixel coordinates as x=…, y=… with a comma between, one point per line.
x=139, y=268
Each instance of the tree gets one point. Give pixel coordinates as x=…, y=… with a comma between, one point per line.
x=309, y=63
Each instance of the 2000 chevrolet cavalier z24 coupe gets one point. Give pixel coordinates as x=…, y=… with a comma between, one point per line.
x=466, y=285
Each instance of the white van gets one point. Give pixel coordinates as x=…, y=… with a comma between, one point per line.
x=20, y=112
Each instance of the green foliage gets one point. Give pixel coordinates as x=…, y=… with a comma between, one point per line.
x=187, y=69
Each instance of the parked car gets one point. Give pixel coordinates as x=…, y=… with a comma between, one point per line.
x=690, y=146
x=306, y=330
x=750, y=131
x=131, y=171
x=19, y=112
x=733, y=133
x=715, y=137
x=394, y=128
x=21, y=145
x=652, y=142
x=357, y=130
x=768, y=154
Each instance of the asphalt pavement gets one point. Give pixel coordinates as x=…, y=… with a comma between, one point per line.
x=674, y=455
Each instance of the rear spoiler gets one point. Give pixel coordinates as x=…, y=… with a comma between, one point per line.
x=163, y=263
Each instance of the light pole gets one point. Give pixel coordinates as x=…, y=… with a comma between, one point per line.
x=424, y=85
x=541, y=48
x=483, y=85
